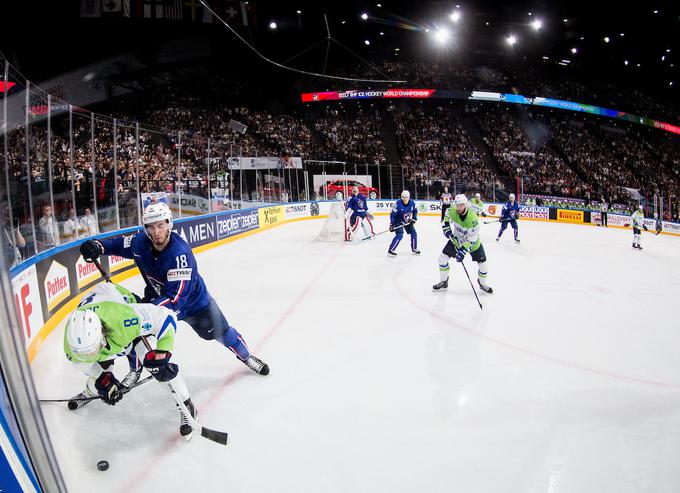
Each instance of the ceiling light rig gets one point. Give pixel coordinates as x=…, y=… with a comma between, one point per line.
x=511, y=40
x=441, y=36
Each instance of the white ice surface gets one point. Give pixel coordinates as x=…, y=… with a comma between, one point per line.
x=567, y=381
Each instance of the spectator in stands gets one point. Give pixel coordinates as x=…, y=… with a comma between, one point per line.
x=47, y=230
x=72, y=227
x=88, y=223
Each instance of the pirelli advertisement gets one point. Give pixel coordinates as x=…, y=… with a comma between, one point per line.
x=569, y=216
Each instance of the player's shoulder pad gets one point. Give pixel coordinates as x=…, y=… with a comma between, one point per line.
x=179, y=246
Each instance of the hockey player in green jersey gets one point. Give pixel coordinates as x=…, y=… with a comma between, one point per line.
x=477, y=206
x=461, y=228
x=108, y=324
x=637, y=220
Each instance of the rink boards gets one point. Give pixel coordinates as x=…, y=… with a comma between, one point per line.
x=47, y=287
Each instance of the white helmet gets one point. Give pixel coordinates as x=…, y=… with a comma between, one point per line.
x=157, y=212
x=512, y=197
x=478, y=196
x=405, y=194
x=460, y=199
x=84, y=332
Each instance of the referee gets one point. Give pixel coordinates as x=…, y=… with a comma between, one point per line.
x=445, y=201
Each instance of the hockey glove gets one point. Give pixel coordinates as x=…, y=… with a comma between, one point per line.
x=392, y=227
x=644, y=227
x=483, y=214
x=460, y=254
x=161, y=369
x=413, y=220
x=91, y=250
x=448, y=234
x=108, y=388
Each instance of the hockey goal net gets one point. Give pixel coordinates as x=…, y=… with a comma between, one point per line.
x=335, y=226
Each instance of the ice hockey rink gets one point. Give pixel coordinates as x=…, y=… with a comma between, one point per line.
x=567, y=381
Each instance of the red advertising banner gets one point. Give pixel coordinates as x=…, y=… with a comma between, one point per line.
x=309, y=97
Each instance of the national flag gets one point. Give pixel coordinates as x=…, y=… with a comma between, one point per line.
x=154, y=9
x=193, y=10
x=90, y=8
x=112, y=8
x=173, y=10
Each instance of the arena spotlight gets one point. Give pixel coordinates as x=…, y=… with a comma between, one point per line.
x=441, y=36
x=272, y=25
x=606, y=39
x=625, y=63
x=574, y=50
x=364, y=16
x=367, y=42
x=455, y=16
x=511, y=40
x=537, y=24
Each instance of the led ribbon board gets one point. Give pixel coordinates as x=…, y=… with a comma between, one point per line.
x=311, y=97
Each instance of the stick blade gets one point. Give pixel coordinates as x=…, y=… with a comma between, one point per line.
x=214, y=435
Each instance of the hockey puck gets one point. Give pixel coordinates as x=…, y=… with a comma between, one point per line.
x=102, y=465
x=72, y=405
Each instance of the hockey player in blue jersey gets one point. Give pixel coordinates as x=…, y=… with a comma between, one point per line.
x=357, y=213
x=509, y=214
x=170, y=273
x=403, y=217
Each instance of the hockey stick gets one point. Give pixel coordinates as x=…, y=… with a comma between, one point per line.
x=473, y=288
x=124, y=390
x=214, y=435
x=104, y=274
x=383, y=232
x=500, y=220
